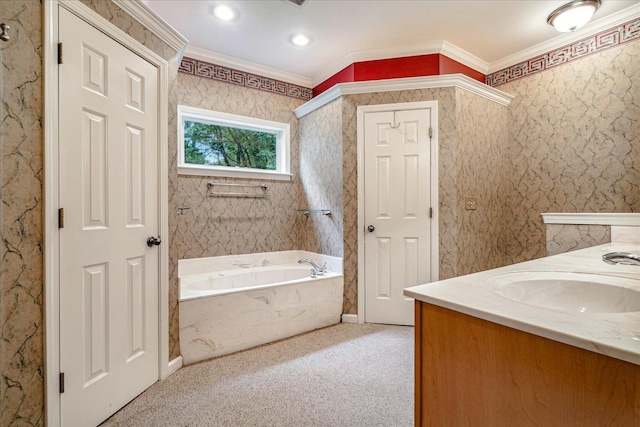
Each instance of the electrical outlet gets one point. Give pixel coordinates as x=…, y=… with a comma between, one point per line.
x=470, y=203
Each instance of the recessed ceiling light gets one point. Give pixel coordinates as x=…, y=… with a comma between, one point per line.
x=224, y=12
x=573, y=15
x=300, y=40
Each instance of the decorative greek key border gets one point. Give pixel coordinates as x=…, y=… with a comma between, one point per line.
x=596, y=43
x=195, y=67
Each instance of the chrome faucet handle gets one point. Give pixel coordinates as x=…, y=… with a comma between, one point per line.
x=624, y=258
x=324, y=267
x=314, y=273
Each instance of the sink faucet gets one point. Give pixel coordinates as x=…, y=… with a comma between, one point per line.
x=621, y=258
x=319, y=270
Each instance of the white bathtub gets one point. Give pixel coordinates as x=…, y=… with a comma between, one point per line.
x=232, y=303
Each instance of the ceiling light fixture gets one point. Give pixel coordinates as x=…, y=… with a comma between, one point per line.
x=574, y=15
x=224, y=12
x=300, y=40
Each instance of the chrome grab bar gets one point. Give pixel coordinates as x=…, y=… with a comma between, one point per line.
x=212, y=184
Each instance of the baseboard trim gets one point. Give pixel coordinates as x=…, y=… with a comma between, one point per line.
x=174, y=365
x=349, y=318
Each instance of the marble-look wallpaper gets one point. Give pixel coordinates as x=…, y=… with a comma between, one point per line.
x=21, y=176
x=482, y=140
x=215, y=226
x=574, y=144
x=563, y=238
x=321, y=180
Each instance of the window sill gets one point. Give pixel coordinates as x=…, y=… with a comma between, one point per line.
x=230, y=173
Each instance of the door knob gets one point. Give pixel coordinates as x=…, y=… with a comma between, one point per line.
x=154, y=241
x=371, y=229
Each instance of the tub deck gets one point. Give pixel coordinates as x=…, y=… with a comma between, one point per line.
x=226, y=311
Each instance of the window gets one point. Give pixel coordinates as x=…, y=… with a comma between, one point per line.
x=211, y=143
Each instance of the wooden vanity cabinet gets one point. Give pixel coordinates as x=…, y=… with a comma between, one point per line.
x=472, y=372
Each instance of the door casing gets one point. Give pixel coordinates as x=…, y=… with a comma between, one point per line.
x=435, y=239
x=51, y=193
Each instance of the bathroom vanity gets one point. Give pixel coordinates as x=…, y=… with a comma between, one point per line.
x=549, y=342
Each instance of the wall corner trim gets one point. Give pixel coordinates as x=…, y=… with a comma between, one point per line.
x=152, y=21
x=173, y=366
x=349, y=318
x=409, y=83
x=620, y=219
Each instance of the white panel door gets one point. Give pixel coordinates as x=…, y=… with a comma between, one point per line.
x=397, y=201
x=108, y=163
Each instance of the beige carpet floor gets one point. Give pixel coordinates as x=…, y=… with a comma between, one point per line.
x=345, y=375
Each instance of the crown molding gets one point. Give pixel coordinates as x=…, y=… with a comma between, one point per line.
x=330, y=71
x=410, y=83
x=323, y=99
x=435, y=47
x=246, y=66
x=147, y=17
x=591, y=29
x=154, y=23
x=621, y=219
x=376, y=54
x=462, y=56
x=398, y=52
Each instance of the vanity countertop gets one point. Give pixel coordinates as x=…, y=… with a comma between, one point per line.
x=612, y=334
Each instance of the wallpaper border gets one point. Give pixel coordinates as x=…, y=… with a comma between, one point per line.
x=603, y=40
x=207, y=70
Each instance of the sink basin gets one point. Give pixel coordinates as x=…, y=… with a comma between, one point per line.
x=570, y=292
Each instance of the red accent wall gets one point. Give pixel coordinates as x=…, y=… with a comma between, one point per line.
x=342, y=76
x=449, y=66
x=392, y=68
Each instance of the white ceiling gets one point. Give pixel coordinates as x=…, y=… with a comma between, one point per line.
x=491, y=31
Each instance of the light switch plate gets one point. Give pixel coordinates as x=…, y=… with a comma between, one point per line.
x=470, y=203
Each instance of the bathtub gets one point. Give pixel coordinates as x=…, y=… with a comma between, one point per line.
x=233, y=303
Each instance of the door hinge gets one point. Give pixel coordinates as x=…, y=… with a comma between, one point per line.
x=59, y=53
x=430, y=132
x=430, y=212
x=61, y=218
x=61, y=382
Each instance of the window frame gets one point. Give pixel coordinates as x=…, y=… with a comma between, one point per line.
x=283, y=144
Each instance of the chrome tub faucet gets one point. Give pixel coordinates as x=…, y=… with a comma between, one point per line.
x=317, y=270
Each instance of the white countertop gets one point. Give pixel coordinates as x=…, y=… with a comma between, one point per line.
x=613, y=334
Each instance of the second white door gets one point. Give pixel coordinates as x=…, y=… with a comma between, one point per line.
x=397, y=159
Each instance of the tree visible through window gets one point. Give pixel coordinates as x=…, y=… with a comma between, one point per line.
x=216, y=145
x=213, y=143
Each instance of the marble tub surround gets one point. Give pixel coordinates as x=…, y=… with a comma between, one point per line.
x=242, y=317
x=612, y=334
x=188, y=267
